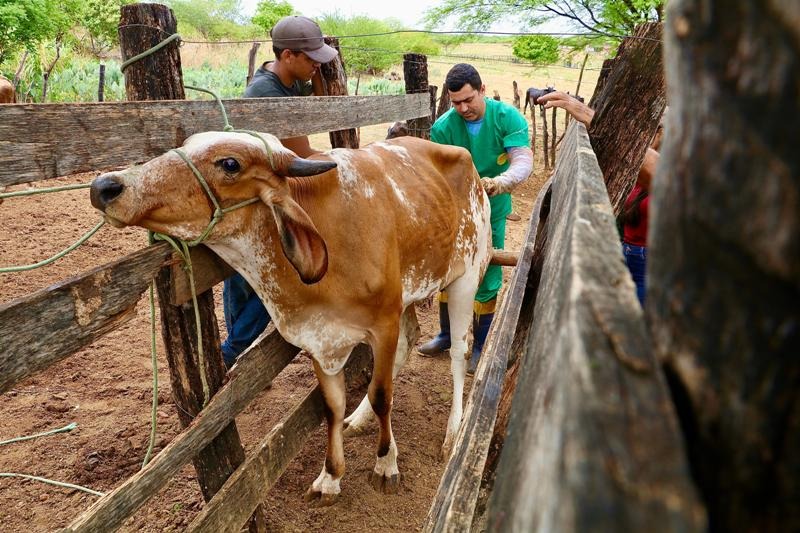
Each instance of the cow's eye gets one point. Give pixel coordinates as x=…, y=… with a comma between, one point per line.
x=229, y=164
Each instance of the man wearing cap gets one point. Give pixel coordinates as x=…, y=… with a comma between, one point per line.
x=299, y=51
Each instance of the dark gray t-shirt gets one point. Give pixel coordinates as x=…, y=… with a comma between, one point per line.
x=266, y=83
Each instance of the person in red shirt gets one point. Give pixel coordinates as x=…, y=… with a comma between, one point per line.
x=633, y=218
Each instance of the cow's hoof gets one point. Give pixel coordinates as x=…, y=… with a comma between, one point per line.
x=384, y=484
x=316, y=498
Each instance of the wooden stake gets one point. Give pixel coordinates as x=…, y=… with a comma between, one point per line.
x=335, y=83
x=415, y=71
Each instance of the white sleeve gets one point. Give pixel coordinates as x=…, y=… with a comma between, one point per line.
x=521, y=165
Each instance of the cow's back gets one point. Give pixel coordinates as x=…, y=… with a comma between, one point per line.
x=399, y=210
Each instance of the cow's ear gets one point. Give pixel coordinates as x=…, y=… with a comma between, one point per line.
x=301, y=242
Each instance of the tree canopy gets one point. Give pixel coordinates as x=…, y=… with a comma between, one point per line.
x=606, y=17
x=269, y=12
x=537, y=48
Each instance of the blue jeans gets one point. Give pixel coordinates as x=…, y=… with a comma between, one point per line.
x=245, y=317
x=636, y=259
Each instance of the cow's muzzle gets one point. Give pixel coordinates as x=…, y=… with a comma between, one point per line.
x=105, y=189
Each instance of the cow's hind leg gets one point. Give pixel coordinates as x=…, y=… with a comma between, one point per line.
x=386, y=476
x=325, y=489
x=359, y=421
x=460, y=295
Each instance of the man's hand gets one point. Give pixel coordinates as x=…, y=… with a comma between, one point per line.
x=580, y=111
x=489, y=186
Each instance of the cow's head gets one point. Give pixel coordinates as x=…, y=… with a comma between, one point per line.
x=164, y=195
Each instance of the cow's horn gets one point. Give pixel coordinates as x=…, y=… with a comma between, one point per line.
x=308, y=167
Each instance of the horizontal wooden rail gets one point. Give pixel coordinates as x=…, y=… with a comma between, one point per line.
x=41, y=141
x=247, y=487
x=42, y=328
x=454, y=504
x=593, y=442
x=257, y=367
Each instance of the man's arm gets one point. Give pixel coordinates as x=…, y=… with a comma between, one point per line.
x=579, y=111
x=300, y=146
x=521, y=158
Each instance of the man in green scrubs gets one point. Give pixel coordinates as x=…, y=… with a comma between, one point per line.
x=496, y=135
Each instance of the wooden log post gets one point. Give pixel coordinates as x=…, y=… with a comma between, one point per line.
x=159, y=76
x=628, y=110
x=724, y=259
x=251, y=61
x=335, y=78
x=415, y=72
x=444, y=102
x=433, y=90
x=516, y=94
x=545, y=138
x=101, y=83
x=553, y=137
x=533, y=130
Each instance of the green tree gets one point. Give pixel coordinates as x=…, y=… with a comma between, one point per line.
x=98, y=22
x=269, y=12
x=366, y=52
x=542, y=49
x=212, y=19
x=26, y=23
x=605, y=17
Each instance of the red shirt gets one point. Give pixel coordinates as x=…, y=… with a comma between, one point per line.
x=637, y=235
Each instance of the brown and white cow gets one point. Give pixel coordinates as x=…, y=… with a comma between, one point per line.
x=338, y=248
x=7, y=94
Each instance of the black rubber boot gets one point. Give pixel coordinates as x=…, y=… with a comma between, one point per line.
x=440, y=342
x=480, y=328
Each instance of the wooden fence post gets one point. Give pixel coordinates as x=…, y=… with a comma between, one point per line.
x=634, y=93
x=415, y=71
x=545, y=138
x=724, y=258
x=251, y=62
x=444, y=102
x=101, y=83
x=433, y=90
x=335, y=78
x=553, y=137
x=158, y=77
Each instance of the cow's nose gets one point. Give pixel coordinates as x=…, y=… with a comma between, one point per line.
x=105, y=189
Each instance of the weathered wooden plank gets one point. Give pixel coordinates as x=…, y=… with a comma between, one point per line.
x=593, y=442
x=723, y=286
x=51, y=324
x=255, y=368
x=41, y=141
x=454, y=504
x=208, y=270
x=251, y=482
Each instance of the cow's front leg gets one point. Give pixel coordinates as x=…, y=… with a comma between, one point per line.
x=325, y=489
x=386, y=476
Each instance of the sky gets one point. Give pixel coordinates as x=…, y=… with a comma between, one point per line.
x=409, y=12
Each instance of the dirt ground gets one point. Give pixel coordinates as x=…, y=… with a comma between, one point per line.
x=106, y=390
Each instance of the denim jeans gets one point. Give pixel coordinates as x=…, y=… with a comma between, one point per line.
x=245, y=317
x=636, y=259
